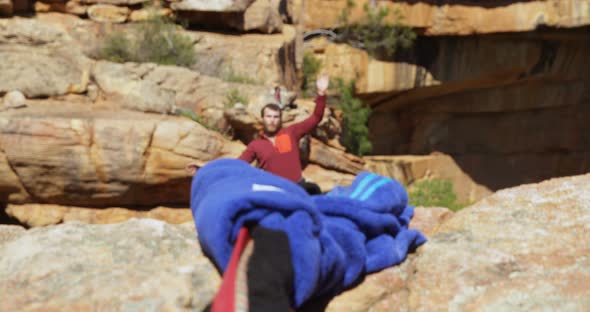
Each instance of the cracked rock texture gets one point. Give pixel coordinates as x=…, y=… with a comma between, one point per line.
x=56, y=153
x=139, y=265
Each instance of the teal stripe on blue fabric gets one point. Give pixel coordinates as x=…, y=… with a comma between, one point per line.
x=374, y=187
x=366, y=180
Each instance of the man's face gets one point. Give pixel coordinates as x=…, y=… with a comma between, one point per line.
x=271, y=120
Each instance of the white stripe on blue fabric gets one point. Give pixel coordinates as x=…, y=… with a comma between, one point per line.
x=374, y=187
x=366, y=180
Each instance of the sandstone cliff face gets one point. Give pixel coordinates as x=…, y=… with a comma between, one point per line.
x=515, y=103
x=266, y=16
x=70, y=155
x=265, y=59
x=450, y=17
x=38, y=61
x=92, y=133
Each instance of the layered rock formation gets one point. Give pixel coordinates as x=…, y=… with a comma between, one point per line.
x=486, y=101
x=450, y=17
x=35, y=215
x=514, y=103
x=264, y=59
x=261, y=15
x=267, y=16
x=38, y=61
x=74, y=155
x=116, y=144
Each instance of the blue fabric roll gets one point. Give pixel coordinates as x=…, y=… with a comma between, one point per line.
x=335, y=239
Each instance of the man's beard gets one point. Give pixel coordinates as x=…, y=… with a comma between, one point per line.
x=270, y=132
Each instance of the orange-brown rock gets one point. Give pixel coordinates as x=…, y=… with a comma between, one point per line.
x=71, y=154
x=116, y=2
x=370, y=75
x=334, y=159
x=32, y=49
x=326, y=179
x=263, y=59
x=42, y=7
x=260, y=15
x=461, y=18
x=108, y=13
x=6, y=8
x=71, y=7
x=34, y=215
x=142, y=15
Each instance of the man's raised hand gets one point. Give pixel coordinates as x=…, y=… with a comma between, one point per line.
x=322, y=84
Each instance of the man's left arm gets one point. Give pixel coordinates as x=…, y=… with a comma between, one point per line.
x=302, y=128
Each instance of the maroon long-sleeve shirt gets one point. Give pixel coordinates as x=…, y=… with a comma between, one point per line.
x=282, y=158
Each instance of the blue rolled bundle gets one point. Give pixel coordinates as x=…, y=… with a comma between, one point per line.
x=335, y=238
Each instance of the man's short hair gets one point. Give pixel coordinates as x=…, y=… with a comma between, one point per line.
x=271, y=106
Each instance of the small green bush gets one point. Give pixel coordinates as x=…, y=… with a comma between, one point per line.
x=355, y=115
x=434, y=193
x=311, y=67
x=373, y=33
x=187, y=113
x=156, y=40
x=234, y=96
x=231, y=76
x=116, y=48
x=190, y=115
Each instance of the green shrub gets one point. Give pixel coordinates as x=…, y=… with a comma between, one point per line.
x=434, y=193
x=355, y=115
x=373, y=33
x=234, y=96
x=187, y=113
x=156, y=40
x=116, y=48
x=311, y=67
x=231, y=76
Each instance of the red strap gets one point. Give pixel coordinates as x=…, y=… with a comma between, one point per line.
x=278, y=95
x=225, y=299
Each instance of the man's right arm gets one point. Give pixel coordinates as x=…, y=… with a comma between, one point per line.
x=248, y=155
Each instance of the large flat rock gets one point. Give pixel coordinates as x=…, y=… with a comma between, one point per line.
x=139, y=264
x=71, y=154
